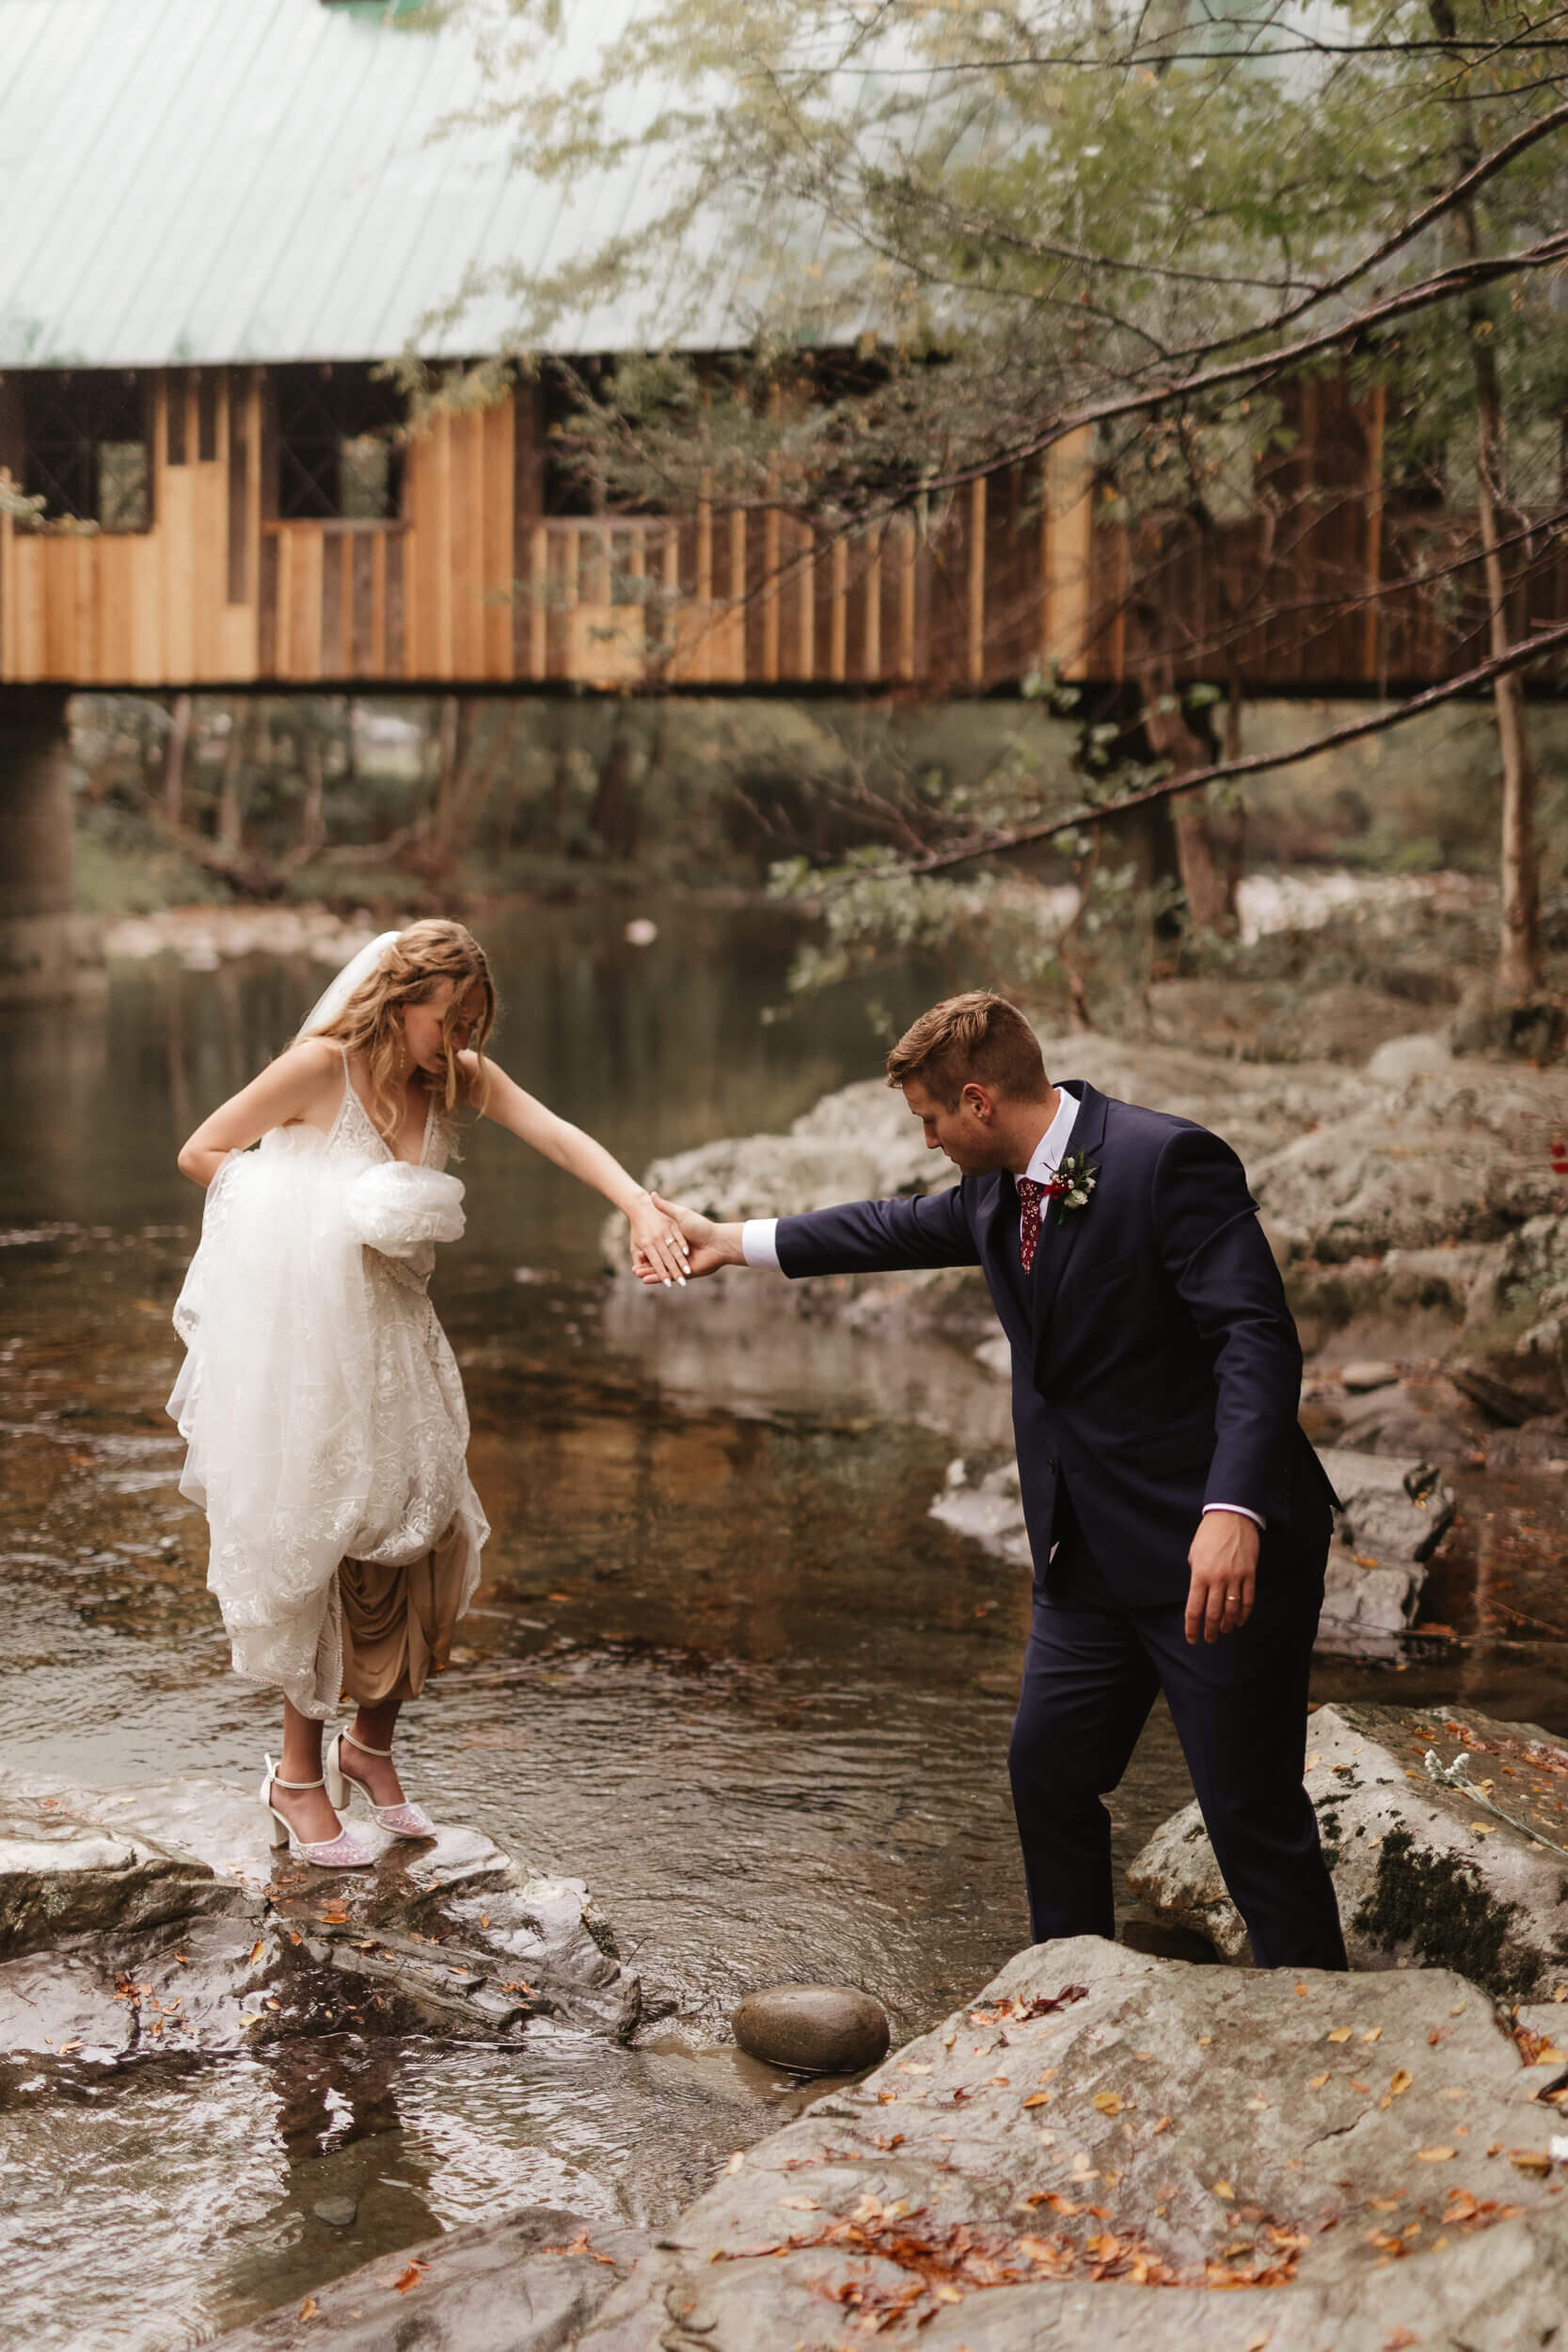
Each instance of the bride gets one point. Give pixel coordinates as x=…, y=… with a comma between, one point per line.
x=322, y=1411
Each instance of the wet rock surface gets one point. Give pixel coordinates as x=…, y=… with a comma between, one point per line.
x=527, y=2283
x=63, y=1875
x=812, y=2028
x=1395, y=1515
x=1105, y=2147
x=1426, y=1872
x=214, y=1947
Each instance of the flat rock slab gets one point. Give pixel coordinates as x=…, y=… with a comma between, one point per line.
x=62, y=1874
x=812, y=2028
x=1111, y=2150
x=156, y=1918
x=527, y=2284
x=1426, y=1874
x=222, y=1829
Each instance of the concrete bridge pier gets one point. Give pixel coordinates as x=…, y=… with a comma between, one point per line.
x=47, y=950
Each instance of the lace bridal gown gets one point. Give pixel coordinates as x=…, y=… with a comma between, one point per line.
x=320, y=1401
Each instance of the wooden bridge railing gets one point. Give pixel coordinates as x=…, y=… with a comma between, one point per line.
x=468, y=587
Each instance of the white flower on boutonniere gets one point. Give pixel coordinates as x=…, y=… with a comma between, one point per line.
x=1072, y=1185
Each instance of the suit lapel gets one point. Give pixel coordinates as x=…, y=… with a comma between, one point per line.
x=1059, y=1234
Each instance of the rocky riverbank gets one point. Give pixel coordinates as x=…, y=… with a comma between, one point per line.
x=1103, y=2148
x=1417, y=1205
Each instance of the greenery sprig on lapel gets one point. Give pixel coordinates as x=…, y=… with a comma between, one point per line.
x=1072, y=1185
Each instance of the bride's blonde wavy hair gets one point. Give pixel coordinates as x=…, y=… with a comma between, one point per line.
x=410, y=972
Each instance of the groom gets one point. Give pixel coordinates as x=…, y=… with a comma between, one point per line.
x=1177, y=1518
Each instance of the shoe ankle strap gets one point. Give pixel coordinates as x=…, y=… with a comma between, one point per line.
x=346, y=1734
x=275, y=1780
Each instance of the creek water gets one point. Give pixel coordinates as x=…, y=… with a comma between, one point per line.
x=723, y=1664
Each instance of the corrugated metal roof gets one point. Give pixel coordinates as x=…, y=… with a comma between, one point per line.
x=205, y=180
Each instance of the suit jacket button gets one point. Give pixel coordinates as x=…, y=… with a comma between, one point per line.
x=1051, y=1464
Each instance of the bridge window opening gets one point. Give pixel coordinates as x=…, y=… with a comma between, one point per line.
x=337, y=457
x=85, y=438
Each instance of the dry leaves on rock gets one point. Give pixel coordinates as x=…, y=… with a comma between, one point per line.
x=579, y=2245
x=947, y=2261
x=1009, y=2011
x=409, y=2277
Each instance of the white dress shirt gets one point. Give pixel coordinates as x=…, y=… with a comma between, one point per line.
x=759, y=1235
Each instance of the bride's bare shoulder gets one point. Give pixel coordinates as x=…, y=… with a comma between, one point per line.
x=311, y=1072
x=313, y=1058
x=474, y=1077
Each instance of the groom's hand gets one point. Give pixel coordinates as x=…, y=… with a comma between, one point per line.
x=711, y=1246
x=1223, y=1557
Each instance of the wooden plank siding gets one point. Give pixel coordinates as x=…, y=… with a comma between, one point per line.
x=472, y=585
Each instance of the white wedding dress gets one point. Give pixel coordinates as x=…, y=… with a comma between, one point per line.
x=320, y=1402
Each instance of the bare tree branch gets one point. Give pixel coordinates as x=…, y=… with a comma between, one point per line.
x=1528, y=650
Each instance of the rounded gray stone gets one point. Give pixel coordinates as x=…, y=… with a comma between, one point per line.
x=1360, y=1379
x=812, y=2028
x=336, y=2212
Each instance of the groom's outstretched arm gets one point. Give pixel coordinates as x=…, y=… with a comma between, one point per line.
x=862, y=1236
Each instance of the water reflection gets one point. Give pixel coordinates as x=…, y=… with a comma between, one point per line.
x=652, y=1048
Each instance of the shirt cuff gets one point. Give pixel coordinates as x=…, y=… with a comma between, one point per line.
x=759, y=1242
x=1239, y=1508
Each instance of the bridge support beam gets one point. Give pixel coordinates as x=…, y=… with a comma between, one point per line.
x=47, y=950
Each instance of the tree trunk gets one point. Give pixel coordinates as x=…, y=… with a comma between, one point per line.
x=230, y=807
x=174, y=759
x=1518, y=971
x=1519, y=935
x=1208, y=889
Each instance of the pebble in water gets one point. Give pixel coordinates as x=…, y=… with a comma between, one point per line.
x=1361, y=1378
x=812, y=2028
x=336, y=2212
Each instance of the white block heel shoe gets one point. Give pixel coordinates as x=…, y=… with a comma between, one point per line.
x=343, y=1853
x=402, y=1820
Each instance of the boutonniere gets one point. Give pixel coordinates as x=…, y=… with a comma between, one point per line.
x=1072, y=1185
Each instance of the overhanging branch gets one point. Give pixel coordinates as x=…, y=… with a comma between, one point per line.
x=1223, y=772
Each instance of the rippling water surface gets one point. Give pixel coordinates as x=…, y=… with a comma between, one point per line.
x=723, y=1664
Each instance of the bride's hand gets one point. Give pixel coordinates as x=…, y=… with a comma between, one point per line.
x=658, y=1250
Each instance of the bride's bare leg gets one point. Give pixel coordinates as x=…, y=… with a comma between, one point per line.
x=306, y=1809
x=375, y=1726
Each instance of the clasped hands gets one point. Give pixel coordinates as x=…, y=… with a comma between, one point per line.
x=704, y=1246
x=1223, y=1554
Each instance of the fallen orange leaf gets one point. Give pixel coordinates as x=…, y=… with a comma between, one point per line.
x=1401, y=2081
x=1315, y=2082
x=1435, y=2155
x=309, y=2307
x=411, y=2276
x=1340, y=2033
x=1107, y=2101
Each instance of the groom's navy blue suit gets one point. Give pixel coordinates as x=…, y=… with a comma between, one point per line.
x=1155, y=1369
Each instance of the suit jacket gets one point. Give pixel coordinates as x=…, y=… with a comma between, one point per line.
x=1156, y=1365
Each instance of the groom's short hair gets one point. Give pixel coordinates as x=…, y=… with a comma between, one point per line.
x=978, y=1037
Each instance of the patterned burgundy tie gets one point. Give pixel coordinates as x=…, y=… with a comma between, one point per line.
x=1030, y=1193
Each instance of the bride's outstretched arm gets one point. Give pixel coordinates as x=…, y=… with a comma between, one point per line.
x=656, y=1241
x=300, y=1084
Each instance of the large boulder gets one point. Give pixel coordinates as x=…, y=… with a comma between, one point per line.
x=1426, y=1871
x=1105, y=2147
x=1455, y=1154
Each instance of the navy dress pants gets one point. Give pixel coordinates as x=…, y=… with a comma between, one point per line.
x=1093, y=1668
